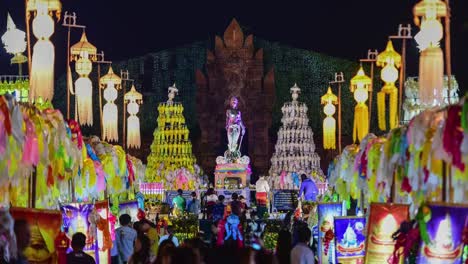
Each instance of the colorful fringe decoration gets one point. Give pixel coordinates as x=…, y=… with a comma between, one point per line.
x=361, y=121
x=392, y=91
x=329, y=133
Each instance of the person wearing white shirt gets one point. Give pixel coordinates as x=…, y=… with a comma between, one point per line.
x=262, y=189
x=301, y=253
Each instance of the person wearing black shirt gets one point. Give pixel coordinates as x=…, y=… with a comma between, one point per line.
x=77, y=256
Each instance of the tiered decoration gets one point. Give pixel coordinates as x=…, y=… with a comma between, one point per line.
x=295, y=149
x=171, y=159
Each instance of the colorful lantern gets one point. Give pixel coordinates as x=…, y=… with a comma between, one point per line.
x=84, y=53
x=427, y=14
x=360, y=87
x=390, y=60
x=134, y=99
x=329, y=123
x=14, y=41
x=42, y=68
x=111, y=82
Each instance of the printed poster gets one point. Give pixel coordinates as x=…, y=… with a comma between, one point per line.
x=326, y=247
x=445, y=230
x=350, y=239
x=44, y=225
x=384, y=220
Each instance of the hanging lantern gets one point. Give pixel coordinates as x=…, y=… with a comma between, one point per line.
x=14, y=41
x=360, y=85
x=427, y=14
x=84, y=53
x=110, y=82
x=329, y=123
x=134, y=99
x=389, y=60
x=52, y=6
x=42, y=67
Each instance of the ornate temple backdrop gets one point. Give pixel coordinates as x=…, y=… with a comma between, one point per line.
x=155, y=72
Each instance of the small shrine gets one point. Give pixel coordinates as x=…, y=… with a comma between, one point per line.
x=233, y=170
x=171, y=160
x=295, y=148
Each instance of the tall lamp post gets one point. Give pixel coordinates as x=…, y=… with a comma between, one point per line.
x=69, y=21
x=339, y=79
x=371, y=58
x=15, y=44
x=404, y=33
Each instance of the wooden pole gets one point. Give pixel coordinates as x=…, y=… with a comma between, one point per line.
x=339, y=117
x=68, y=74
x=448, y=62
x=402, y=80
x=28, y=35
x=371, y=91
x=124, y=123
x=100, y=99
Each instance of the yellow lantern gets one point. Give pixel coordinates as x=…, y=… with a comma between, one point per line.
x=389, y=60
x=134, y=99
x=329, y=123
x=427, y=14
x=360, y=85
x=110, y=82
x=42, y=65
x=84, y=53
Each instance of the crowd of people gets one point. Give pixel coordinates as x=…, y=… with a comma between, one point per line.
x=232, y=238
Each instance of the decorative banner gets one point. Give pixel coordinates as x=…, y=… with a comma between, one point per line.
x=350, y=239
x=45, y=226
x=76, y=219
x=445, y=230
x=326, y=245
x=384, y=220
x=102, y=208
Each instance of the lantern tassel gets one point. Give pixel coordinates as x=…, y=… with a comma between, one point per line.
x=84, y=98
x=42, y=71
x=431, y=76
x=361, y=121
x=133, y=132
x=110, y=126
x=392, y=91
x=329, y=128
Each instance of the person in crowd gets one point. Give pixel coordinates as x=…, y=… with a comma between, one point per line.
x=284, y=246
x=236, y=205
x=193, y=206
x=125, y=237
x=179, y=203
x=308, y=188
x=77, y=256
x=301, y=253
x=210, y=200
x=154, y=243
x=23, y=238
x=169, y=236
x=165, y=252
x=218, y=209
x=141, y=253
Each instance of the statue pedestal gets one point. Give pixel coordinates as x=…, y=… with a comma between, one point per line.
x=232, y=175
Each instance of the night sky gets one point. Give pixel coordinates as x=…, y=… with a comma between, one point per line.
x=347, y=29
